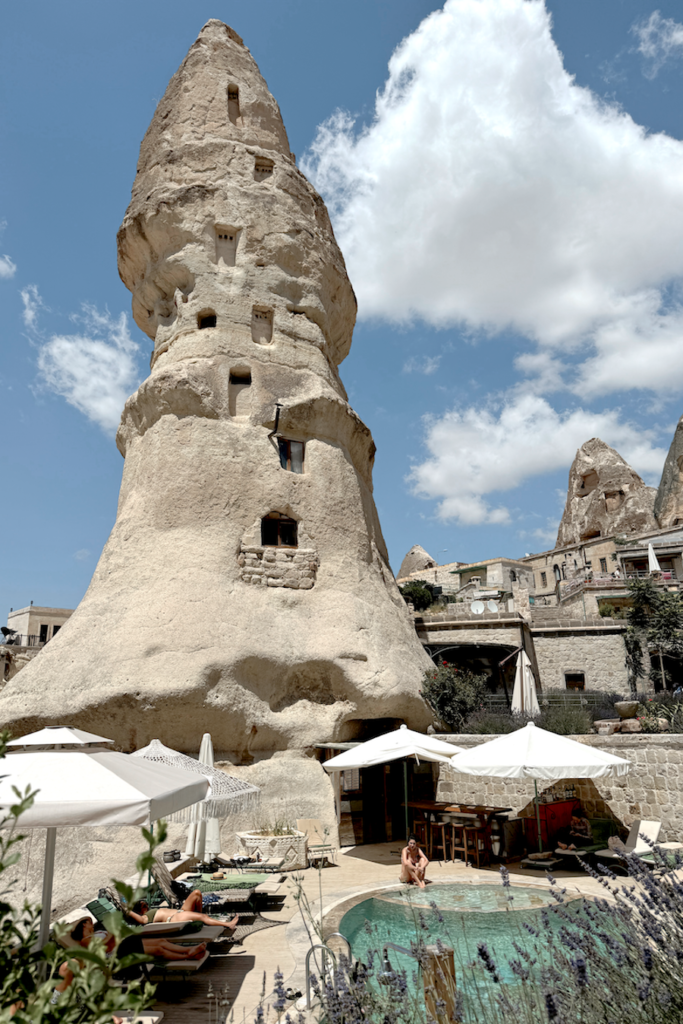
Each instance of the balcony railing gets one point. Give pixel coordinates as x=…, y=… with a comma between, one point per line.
x=23, y=640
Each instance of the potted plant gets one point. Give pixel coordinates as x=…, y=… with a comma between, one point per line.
x=277, y=840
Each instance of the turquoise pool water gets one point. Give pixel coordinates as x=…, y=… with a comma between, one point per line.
x=471, y=914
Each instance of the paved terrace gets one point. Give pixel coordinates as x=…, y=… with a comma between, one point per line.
x=358, y=869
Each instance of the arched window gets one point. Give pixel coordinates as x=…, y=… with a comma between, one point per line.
x=278, y=531
x=557, y=572
x=206, y=319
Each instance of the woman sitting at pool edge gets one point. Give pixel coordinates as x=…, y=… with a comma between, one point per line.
x=414, y=863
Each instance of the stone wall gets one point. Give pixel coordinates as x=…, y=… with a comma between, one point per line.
x=600, y=656
x=295, y=568
x=650, y=792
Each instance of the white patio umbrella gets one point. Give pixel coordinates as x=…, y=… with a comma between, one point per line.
x=652, y=563
x=534, y=753
x=226, y=794
x=80, y=782
x=204, y=836
x=524, y=699
x=392, y=746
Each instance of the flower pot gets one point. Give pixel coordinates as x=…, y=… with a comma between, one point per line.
x=292, y=848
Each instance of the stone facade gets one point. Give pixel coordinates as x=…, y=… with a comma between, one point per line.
x=598, y=655
x=650, y=792
x=278, y=567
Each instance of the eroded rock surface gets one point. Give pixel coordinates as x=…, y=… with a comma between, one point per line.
x=605, y=496
x=669, y=500
x=245, y=588
x=416, y=560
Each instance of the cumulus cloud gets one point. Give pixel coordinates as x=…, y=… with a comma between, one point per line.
x=7, y=267
x=95, y=371
x=82, y=555
x=492, y=192
x=474, y=452
x=659, y=40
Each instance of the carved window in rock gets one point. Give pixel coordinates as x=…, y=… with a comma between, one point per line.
x=234, y=115
x=589, y=481
x=238, y=392
x=575, y=680
x=226, y=245
x=291, y=454
x=278, y=531
x=206, y=319
x=261, y=325
x=263, y=168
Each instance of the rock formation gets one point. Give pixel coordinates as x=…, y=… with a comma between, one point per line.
x=416, y=560
x=605, y=496
x=669, y=500
x=245, y=588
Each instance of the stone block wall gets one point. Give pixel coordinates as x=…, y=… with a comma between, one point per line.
x=295, y=568
x=650, y=792
x=601, y=657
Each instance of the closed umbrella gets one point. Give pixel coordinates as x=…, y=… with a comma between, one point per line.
x=392, y=746
x=534, y=753
x=80, y=782
x=204, y=837
x=652, y=563
x=524, y=699
x=226, y=794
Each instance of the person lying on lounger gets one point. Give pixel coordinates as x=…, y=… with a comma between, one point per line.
x=577, y=835
x=191, y=910
x=413, y=863
x=83, y=932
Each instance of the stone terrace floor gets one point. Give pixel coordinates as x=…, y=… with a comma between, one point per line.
x=358, y=868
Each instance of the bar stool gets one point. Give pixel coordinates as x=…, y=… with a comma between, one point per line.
x=420, y=830
x=437, y=838
x=478, y=843
x=459, y=840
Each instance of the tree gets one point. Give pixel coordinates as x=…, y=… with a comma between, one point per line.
x=655, y=620
x=453, y=694
x=418, y=593
x=28, y=976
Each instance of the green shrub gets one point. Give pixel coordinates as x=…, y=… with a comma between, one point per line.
x=565, y=720
x=492, y=723
x=418, y=594
x=453, y=694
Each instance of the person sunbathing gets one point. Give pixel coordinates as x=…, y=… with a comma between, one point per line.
x=414, y=863
x=577, y=835
x=191, y=910
x=83, y=933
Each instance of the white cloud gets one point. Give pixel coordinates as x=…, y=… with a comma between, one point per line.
x=475, y=452
x=94, y=371
x=82, y=555
x=659, y=40
x=7, y=267
x=491, y=191
x=427, y=365
x=33, y=303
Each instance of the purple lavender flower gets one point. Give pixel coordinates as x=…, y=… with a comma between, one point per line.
x=485, y=957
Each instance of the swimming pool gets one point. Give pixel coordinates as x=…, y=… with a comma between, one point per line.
x=471, y=914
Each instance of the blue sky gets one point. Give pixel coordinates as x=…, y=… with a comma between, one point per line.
x=514, y=235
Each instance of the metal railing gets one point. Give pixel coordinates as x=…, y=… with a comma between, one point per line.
x=498, y=701
x=23, y=640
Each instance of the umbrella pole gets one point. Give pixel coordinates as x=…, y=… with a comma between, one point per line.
x=48, y=876
x=538, y=817
x=405, y=792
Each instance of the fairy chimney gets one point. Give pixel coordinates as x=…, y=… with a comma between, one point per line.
x=245, y=587
x=669, y=500
x=605, y=496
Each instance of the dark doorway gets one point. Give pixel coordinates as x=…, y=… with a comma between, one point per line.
x=372, y=808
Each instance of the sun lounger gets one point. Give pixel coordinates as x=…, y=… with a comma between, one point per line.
x=319, y=845
x=241, y=863
x=174, y=968
x=634, y=844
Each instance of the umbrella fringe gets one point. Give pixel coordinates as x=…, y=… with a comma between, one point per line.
x=220, y=808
